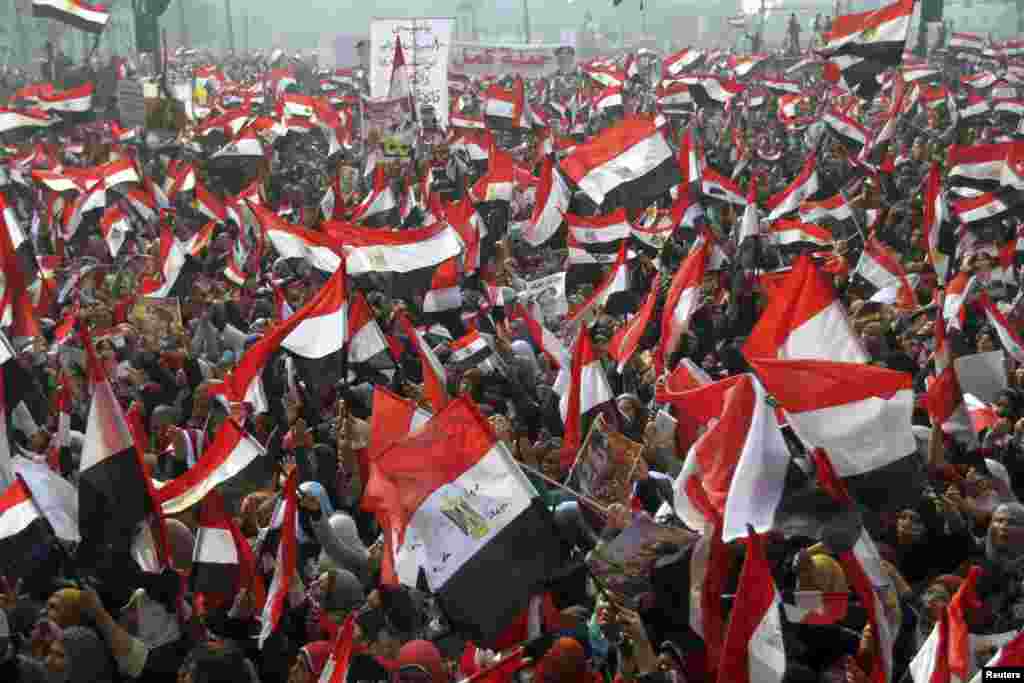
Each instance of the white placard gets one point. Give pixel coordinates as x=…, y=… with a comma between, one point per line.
x=426, y=57
x=982, y=374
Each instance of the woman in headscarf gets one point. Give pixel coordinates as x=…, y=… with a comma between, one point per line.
x=336, y=533
x=1001, y=583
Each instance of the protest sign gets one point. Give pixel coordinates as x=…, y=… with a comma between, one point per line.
x=607, y=465
x=425, y=45
x=549, y=292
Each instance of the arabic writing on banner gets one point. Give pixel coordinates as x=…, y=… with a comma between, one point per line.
x=426, y=43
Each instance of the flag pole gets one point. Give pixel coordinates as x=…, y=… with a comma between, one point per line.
x=597, y=507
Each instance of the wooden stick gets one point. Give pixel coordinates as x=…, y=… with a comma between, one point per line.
x=598, y=507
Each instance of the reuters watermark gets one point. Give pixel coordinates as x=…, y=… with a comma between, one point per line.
x=1002, y=673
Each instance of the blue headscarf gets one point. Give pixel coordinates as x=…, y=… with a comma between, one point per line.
x=315, y=489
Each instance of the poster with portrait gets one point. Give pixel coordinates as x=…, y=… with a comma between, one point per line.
x=549, y=293
x=426, y=43
x=157, y=318
x=607, y=465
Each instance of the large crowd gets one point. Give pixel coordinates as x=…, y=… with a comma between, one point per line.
x=156, y=282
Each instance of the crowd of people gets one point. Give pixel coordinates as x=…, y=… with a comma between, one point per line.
x=517, y=260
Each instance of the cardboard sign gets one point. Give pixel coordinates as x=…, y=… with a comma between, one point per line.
x=131, y=103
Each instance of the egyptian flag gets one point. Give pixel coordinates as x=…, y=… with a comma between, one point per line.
x=879, y=266
x=981, y=414
x=470, y=350
x=410, y=256
x=626, y=340
x=974, y=169
x=114, y=495
x=805, y=319
x=336, y=669
x=674, y=97
x=851, y=133
x=931, y=663
x=379, y=208
x=935, y=214
x=208, y=204
x=243, y=384
x=318, y=341
x=463, y=216
x=16, y=308
x=609, y=99
x=980, y=208
x=587, y=392
x=683, y=299
x=860, y=414
x=81, y=15
x=629, y=164
x=392, y=419
x=368, y=351
x=860, y=47
x=296, y=241
x=787, y=233
x=801, y=188
x=20, y=242
x=399, y=87
x=944, y=399
x=285, y=563
x=753, y=651
x=678, y=62
x=976, y=106
x=596, y=239
x=180, y=178
x=543, y=338
x=717, y=186
x=199, y=241
x=115, y=226
x=57, y=457
x=434, y=377
x=11, y=119
x=76, y=100
x=615, y=284
x=245, y=148
x=222, y=559
x=954, y=303
x=23, y=528
x=737, y=468
x=710, y=90
x=1008, y=337
x=492, y=194
x=177, y=268
x=460, y=512
x=505, y=108
x=231, y=451
x=552, y=203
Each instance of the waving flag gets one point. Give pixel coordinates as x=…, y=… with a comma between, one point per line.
x=624, y=343
x=805, y=319
x=284, y=522
x=434, y=378
x=800, y=189
x=736, y=471
x=81, y=15
x=584, y=390
x=22, y=526
x=113, y=493
x=459, y=510
x=222, y=560
x=631, y=161
x=683, y=300
x=860, y=47
x=231, y=452
x=753, y=651
x=859, y=413
x=550, y=207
